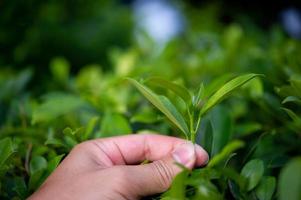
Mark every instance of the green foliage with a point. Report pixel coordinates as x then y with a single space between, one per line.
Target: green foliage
165 106
253 137
290 180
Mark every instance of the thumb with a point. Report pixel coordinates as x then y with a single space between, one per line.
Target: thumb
157 176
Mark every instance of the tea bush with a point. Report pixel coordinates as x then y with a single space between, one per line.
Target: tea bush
253 136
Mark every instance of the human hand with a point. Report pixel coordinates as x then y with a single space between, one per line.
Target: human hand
109 168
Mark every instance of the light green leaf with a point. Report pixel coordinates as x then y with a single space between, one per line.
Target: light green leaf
225 90
178 187
164 105
6 150
289 186
200 95
90 127
253 172
54 162
60 68
227 150
177 89
266 188
114 124
54 106
216 84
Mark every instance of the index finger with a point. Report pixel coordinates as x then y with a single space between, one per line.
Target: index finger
133 149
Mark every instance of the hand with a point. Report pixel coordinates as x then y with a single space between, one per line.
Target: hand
110 168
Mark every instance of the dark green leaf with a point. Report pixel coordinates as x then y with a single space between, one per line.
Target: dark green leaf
6 150
266 188
253 172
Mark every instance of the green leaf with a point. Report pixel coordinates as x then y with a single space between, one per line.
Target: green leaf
178 187
90 127
207 191
222 127
54 162
114 124
164 105
292 99
266 188
253 172
55 106
177 89
197 100
6 150
292 115
225 90
37 163
289 186
216 84
227 150
60 68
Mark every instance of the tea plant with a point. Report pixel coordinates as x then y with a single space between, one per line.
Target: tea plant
196 105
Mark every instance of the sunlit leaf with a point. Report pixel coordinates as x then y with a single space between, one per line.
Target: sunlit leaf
227 88
227 150
176 88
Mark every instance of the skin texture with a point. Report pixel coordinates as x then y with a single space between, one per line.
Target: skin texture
110 168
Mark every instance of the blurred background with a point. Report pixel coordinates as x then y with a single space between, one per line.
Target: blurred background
84 32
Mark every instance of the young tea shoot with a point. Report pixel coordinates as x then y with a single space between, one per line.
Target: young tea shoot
196 104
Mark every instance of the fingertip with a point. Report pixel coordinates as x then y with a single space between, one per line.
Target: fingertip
202 156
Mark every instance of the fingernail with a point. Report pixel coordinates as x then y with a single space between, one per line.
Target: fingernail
202 154
185 154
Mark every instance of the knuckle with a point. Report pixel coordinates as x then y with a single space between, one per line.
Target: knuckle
164 174
83 147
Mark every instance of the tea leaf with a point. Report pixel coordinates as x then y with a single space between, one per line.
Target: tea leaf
293 115
177 89
290 181
253 172
266 188
221 128
114 124
221 93
292 99
178 187
6 150
164 105
227 150
216 84
56 105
